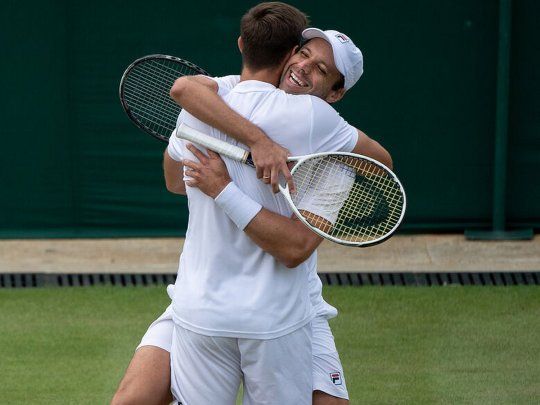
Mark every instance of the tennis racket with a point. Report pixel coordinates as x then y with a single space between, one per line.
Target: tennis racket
347 198
144 92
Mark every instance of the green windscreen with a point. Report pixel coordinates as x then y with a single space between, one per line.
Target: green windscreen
73 165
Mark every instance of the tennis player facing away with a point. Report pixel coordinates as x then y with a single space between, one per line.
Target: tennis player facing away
145 360
311 69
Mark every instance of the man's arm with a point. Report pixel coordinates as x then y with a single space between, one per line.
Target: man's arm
200 99
286 239
173 173
373 149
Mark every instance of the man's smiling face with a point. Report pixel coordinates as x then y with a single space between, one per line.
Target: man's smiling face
312 71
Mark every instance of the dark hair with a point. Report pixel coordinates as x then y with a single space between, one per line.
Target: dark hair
269 31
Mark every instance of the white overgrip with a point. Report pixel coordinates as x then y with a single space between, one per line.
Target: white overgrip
218 146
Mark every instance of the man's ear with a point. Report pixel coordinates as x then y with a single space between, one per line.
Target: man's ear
240 44
287 57
293 51
335 95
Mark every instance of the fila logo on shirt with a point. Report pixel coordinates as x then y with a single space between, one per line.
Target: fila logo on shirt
336 378
342 38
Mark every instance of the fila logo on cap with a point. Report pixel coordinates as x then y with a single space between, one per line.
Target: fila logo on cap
342 38
336 378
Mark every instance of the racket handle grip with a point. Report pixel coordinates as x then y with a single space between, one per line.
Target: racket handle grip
217 145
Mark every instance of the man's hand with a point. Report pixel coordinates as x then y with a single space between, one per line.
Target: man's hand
209 175
270 160
199 97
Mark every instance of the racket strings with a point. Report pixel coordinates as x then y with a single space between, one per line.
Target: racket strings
153 80
162 118
149 96
146 92
146 87
141 106
164 77
349 198
379 210
161 121
379 199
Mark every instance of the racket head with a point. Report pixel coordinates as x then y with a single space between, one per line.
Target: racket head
359 201
144 92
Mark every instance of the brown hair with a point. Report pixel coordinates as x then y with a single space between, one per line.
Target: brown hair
269 31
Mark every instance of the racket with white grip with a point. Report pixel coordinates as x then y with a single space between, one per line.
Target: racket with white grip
347 198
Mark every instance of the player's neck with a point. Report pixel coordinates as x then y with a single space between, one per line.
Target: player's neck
271 76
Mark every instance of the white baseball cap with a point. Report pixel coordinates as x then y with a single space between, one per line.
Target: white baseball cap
347 57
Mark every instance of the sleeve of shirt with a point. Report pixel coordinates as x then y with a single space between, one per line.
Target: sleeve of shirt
330 132
226 83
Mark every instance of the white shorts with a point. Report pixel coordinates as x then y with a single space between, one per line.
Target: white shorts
209 369
160 332
328 374
327 369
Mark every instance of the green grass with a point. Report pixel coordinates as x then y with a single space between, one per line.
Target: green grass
445 345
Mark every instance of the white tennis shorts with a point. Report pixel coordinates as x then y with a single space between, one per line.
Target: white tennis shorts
327 369
209 369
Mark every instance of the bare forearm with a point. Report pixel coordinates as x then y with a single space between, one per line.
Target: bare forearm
173 174
380 154
204 103
373 149
287 239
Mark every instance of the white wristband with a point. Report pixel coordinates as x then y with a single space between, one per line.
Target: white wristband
239 207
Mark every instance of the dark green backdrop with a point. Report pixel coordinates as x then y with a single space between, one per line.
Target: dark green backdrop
73 165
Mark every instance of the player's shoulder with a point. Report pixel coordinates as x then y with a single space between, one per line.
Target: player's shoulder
303 100
317 104
324 116
226 83
320 106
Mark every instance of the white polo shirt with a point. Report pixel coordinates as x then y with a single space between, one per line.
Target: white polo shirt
227 285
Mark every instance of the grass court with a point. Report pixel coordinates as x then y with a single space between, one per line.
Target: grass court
398 345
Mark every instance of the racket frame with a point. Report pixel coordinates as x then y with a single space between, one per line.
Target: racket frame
287 195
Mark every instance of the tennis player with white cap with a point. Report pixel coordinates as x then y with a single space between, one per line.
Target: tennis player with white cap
299 77
347 57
